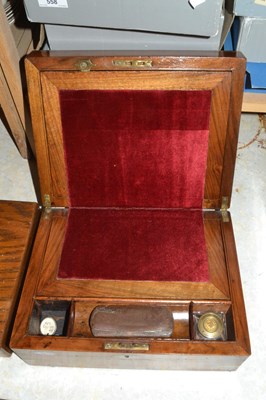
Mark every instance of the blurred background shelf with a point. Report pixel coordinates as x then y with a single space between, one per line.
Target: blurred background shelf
17 38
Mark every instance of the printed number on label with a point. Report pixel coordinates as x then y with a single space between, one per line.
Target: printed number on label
53 3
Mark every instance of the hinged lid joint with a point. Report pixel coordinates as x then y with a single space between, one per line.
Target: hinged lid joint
47 201
224 209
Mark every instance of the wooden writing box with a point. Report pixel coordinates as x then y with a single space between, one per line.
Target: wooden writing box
134 262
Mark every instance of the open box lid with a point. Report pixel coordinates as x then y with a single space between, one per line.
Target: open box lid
127 130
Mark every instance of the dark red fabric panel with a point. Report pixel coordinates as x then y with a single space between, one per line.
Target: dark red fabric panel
132 148
155 245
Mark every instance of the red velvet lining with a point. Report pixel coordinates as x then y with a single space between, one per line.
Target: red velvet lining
135 148
143 149
155 245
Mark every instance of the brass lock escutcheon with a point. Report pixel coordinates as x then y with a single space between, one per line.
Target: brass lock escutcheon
84 65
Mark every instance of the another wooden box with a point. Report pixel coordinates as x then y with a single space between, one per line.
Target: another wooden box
18 221
106 289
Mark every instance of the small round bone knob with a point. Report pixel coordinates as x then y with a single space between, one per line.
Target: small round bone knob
48 326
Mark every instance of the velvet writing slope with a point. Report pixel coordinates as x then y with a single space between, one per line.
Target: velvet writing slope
135 157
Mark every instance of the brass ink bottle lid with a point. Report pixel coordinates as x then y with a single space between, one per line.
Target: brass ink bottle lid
210 325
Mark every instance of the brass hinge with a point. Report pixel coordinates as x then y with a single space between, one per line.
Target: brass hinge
47 202
224 209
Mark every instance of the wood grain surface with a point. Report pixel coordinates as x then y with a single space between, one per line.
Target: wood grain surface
11 94
17 224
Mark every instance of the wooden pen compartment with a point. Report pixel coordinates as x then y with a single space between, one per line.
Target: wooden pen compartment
85 319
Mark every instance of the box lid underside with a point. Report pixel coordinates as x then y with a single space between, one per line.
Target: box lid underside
132 137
